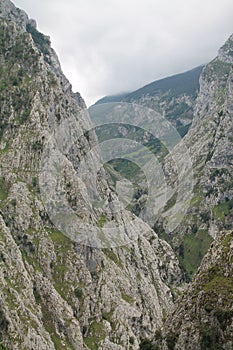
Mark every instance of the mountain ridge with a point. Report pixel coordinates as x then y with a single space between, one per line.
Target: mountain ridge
59 293
156 85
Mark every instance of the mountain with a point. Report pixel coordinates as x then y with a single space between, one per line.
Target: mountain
210 146
78 270
174 97
112 98
60 288
203 316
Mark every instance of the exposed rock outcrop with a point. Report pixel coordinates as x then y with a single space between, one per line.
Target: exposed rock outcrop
203 316
56 293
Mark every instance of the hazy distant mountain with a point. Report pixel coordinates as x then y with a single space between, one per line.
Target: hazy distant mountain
174 97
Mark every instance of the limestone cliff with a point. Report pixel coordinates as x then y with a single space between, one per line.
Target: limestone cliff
209 141
203 316
56 293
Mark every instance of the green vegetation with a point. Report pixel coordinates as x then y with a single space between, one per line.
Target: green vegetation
171 340
59 238
78 293
222 210
209 338
41 41
108 316
30 259
221 285
62 246
183 129
126 169
96 333
192 250
147 344
171 202
223 316
2 347
56 339
3 192
102 220
128 298
131 340
92 342
112 256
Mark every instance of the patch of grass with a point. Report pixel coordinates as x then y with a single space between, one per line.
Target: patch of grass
108 317
58 344
222 210
3 194
128 298
96 333
146 344
97 328
58 237
171 202
91 343
194 247
112 256
102 220
2 347
221 285
31 260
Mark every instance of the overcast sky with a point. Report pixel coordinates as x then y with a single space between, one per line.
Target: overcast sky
111 46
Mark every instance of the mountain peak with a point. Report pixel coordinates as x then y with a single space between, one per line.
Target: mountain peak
225 53
10 12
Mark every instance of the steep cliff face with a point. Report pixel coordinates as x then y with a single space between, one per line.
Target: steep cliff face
57 293
209 142
203 316
79 293
211 147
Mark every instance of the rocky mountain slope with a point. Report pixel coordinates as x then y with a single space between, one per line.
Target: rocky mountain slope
172 98
209 141
66 289
203 316
57 293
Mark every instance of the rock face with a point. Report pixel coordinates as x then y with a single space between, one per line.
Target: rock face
62 293
203 316
56 293
209 141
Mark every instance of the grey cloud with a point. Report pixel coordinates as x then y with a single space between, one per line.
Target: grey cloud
109 46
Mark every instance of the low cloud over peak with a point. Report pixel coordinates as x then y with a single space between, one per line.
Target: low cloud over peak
109 46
